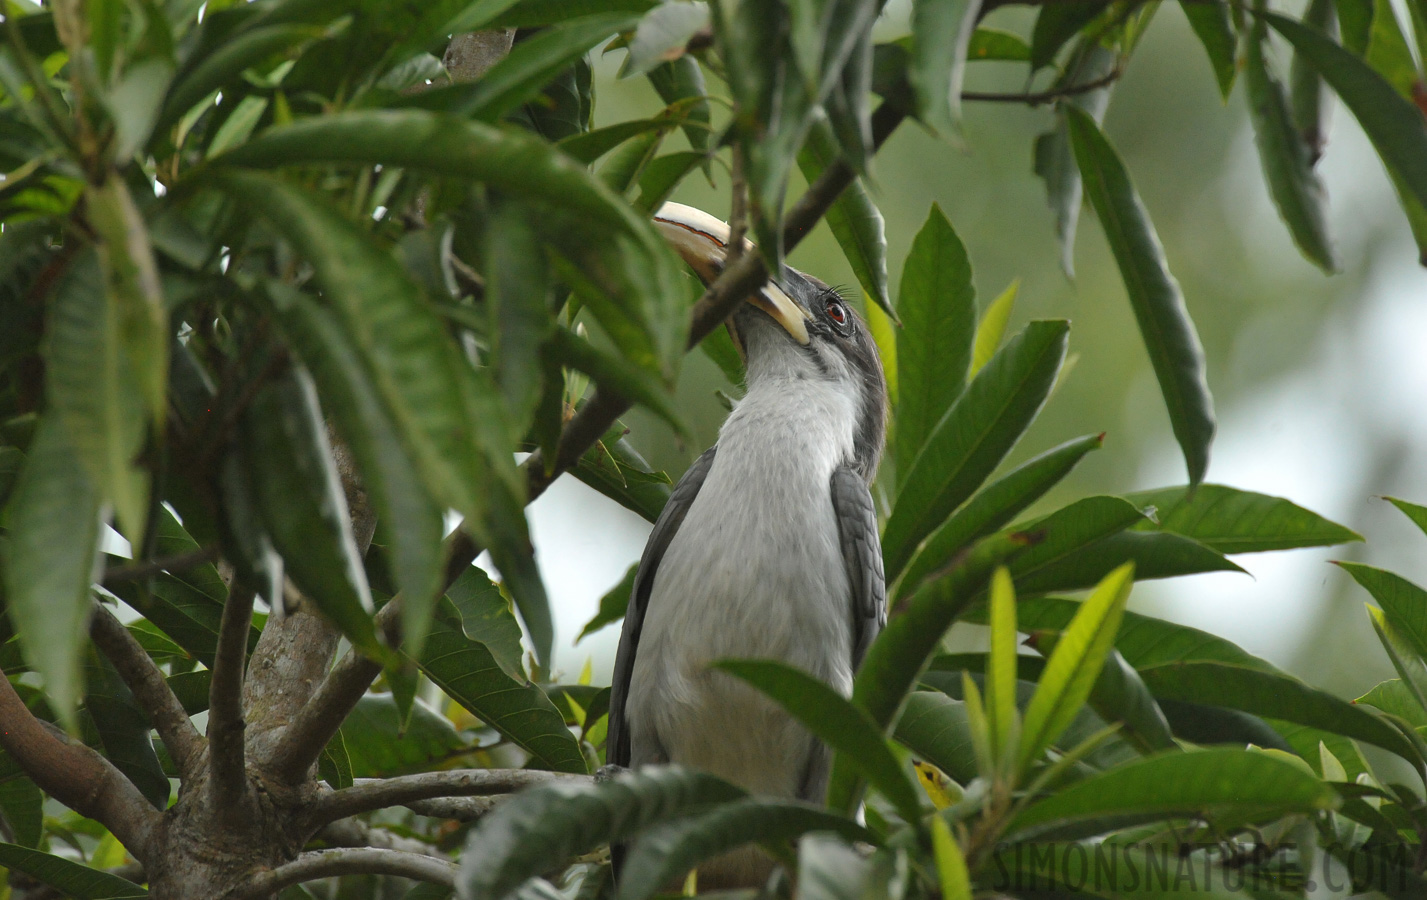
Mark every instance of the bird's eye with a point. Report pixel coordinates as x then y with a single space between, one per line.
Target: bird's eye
837 312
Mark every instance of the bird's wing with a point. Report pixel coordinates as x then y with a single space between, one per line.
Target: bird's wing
862 554
617 747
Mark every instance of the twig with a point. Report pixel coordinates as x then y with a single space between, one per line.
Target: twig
333 863
229 778
75 775
380 793
356 833
183 741
149 568
462 809
1036 98
302 742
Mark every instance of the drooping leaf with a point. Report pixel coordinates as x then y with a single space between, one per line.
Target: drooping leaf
680 84
853 218
50 556
1165 326
378 743
941 33
304 510
1287 159
1211 25
1308 98
94 389
937 304
1075 664
1404 602
973 437
1397 129
23 804
547 825
663 33
836 721
517 294
486 617
124 730
210 72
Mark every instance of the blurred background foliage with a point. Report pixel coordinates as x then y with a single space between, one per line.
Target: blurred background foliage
1318 381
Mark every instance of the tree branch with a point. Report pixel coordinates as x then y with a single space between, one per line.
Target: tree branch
333 863
356 833
175 729
228 770
1036 98
303 741
380 793
75 775
142 570
462 809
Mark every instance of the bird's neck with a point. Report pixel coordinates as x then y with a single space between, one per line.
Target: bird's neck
795 419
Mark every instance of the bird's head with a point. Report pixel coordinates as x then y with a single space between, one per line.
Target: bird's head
797 328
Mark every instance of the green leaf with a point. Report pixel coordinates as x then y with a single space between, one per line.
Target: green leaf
517 297
1230 787
1168 332
994 506
124 730
304 510
53 522
662 35
23 804
74 879
1404 602
1075 665
1287 159
836 721
229 58
854 218
1056 24
486 617
1398 129
1120 695
1002 718
955 881
1230 520
1307 98
612 605
994 44
1154 556
661 855
614 468
973 437
471 675
830 869
1396 698
378 744
941 32
1355 18
612 372
680 84
1418 514
935 728
937 304
646 317
542 827
1404 657
94 391
409 519
993 327
335 765
1211 25
532 13
524 72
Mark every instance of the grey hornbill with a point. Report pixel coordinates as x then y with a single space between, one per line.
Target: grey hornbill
767 547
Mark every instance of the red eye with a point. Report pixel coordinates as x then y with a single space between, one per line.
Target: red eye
836 312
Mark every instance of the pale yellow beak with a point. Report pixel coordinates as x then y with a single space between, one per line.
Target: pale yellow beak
702 241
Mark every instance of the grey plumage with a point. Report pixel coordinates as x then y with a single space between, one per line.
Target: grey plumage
768 547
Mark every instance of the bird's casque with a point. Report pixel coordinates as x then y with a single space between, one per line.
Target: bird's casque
767 548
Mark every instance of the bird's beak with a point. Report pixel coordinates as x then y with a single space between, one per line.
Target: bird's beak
702 241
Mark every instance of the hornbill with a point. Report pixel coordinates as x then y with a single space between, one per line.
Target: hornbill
767 547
